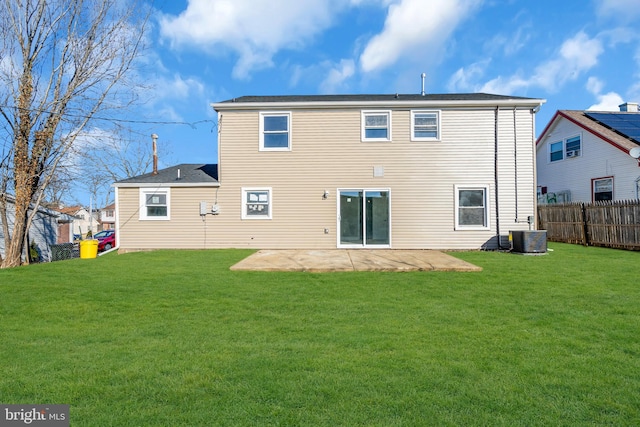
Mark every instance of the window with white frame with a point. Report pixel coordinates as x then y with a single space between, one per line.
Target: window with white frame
472 210
154 204
425 125
275 131
555 151
376 126
566 149
602 189
256 203
572 147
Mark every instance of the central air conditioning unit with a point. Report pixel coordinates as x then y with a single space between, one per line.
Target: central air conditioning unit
529 242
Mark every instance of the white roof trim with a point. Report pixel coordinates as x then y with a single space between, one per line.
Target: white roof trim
525 103
165 184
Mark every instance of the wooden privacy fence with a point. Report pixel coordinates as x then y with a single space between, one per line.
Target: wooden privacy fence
610 224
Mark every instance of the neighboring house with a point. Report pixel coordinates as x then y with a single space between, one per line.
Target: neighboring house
451 171
65 228
108 217
584 156
83 220
43 230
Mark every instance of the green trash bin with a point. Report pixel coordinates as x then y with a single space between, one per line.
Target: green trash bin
88 248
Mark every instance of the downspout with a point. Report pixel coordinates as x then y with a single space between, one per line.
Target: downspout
534 223
515 161
495 176
117 246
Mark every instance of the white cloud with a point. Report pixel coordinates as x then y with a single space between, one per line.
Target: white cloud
463 79
254 29
606 102
410 29
337 76
576 56
621 10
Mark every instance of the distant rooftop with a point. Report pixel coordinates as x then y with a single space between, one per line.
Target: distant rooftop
182 174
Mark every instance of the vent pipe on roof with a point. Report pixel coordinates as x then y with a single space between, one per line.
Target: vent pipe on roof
154 138
629 107
424 75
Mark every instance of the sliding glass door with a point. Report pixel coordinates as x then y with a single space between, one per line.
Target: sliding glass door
364 218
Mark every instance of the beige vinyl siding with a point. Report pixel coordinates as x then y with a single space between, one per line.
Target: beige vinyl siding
515 169
327 154
185 230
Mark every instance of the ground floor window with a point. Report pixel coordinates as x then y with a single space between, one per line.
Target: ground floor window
256 203
155 204
472 212
602 189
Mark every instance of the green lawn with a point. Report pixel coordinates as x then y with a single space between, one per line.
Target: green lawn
173 338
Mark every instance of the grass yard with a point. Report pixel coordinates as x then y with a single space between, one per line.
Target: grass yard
173 338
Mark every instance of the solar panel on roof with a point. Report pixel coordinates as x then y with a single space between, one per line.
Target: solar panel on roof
627 124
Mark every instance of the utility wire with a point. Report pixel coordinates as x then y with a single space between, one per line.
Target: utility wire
193 125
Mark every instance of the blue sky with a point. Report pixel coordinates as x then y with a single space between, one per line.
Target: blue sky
575 54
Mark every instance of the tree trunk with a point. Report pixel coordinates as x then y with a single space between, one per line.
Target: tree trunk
15 245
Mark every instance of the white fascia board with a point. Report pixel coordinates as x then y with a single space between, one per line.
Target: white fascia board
528 103
165 185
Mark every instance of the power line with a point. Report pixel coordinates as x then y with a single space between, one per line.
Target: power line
193 125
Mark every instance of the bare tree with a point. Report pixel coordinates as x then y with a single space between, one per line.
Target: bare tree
110 157
62 63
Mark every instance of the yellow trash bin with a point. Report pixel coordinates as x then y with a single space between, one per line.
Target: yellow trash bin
88 248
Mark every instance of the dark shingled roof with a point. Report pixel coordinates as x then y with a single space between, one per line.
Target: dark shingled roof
376 98
189 174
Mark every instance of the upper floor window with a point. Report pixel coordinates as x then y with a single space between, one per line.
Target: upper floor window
155 204
555 151
602 189
565 149
425 125
275 131
572 146
376 126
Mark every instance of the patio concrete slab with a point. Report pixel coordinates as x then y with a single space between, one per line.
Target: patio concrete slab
353 260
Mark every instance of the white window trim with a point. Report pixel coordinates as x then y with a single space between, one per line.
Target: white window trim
564 147
143 203
365 113
549 151
243 201
487 207
413 122
276 114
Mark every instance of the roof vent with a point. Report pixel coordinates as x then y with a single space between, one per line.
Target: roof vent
629 107
424 76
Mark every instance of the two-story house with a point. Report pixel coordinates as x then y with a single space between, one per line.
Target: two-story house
108 217
590 156
84 220
453 171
